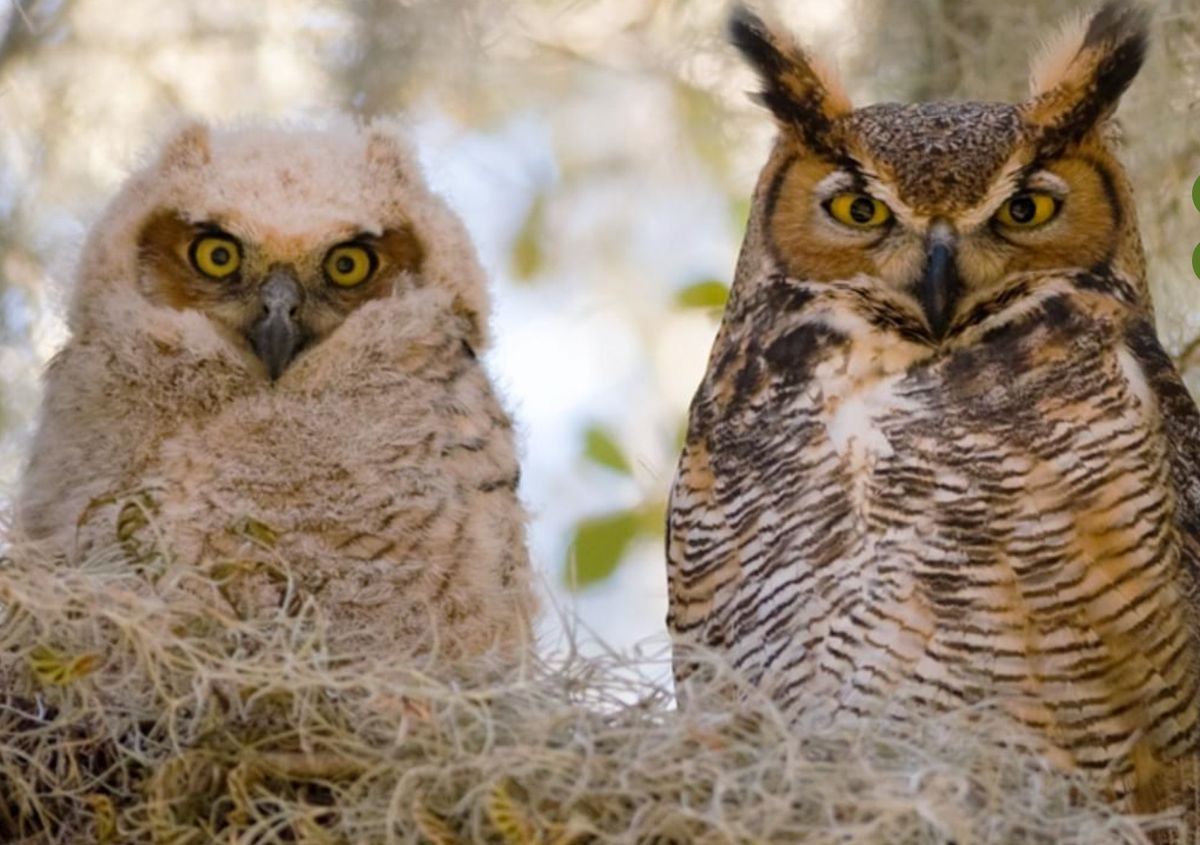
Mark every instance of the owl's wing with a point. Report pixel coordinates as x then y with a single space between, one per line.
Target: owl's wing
1181 423
753 427
700 557
695 530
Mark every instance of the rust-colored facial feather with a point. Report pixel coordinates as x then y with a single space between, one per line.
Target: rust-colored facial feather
803 239
1084 231
168 276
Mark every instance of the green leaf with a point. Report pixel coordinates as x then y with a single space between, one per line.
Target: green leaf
527 257
600 448
598 547
708 293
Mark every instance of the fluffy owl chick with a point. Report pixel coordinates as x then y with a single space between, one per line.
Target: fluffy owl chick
939 456
273 377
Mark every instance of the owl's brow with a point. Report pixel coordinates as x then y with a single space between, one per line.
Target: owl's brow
1043 180
211 227
1022 175
848 175
838 181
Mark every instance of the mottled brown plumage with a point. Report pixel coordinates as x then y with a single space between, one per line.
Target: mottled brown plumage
939 456
938 155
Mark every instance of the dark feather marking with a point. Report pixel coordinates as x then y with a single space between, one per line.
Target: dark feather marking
507 482
990 307
785 298
722 363
748 378
794 353
1101 279
1004 337
1059 312
771 200
1109 184
1181 421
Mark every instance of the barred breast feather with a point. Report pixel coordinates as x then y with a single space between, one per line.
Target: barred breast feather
865 519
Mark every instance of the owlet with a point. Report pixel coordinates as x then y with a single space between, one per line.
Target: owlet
273 377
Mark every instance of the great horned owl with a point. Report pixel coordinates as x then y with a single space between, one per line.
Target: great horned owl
272 375
939 454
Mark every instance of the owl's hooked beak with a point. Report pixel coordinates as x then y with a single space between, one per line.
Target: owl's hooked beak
939 286
277 336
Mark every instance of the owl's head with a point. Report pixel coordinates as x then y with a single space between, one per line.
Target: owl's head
945 200
277 235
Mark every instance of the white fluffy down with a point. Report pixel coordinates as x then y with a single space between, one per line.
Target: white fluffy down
377 477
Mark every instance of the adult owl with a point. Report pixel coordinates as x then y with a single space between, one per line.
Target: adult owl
272 379
939 455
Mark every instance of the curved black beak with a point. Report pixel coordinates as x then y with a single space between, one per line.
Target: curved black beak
276 336
939 285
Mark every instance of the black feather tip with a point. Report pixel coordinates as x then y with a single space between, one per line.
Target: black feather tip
752 38
1120 30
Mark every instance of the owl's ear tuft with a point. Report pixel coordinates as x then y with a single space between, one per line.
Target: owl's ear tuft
1081 75
389 154
190 147
803 95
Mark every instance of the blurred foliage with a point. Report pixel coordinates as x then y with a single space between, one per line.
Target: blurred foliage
708 294
528 257
630 153
601 542
600 447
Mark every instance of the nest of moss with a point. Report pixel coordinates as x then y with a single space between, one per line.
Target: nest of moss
134 712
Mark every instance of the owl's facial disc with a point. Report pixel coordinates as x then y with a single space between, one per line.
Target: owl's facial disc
277 335
273 294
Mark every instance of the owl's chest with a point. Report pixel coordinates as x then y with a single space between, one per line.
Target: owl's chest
993 520
886 412
905 437
992 476
964 454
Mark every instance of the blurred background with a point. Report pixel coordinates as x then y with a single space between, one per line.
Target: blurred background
602 153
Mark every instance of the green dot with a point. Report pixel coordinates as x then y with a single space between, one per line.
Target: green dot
1196 261
1196 193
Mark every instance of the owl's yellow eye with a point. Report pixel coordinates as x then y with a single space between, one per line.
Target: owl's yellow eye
859 210
216 256
1027 209
349 265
